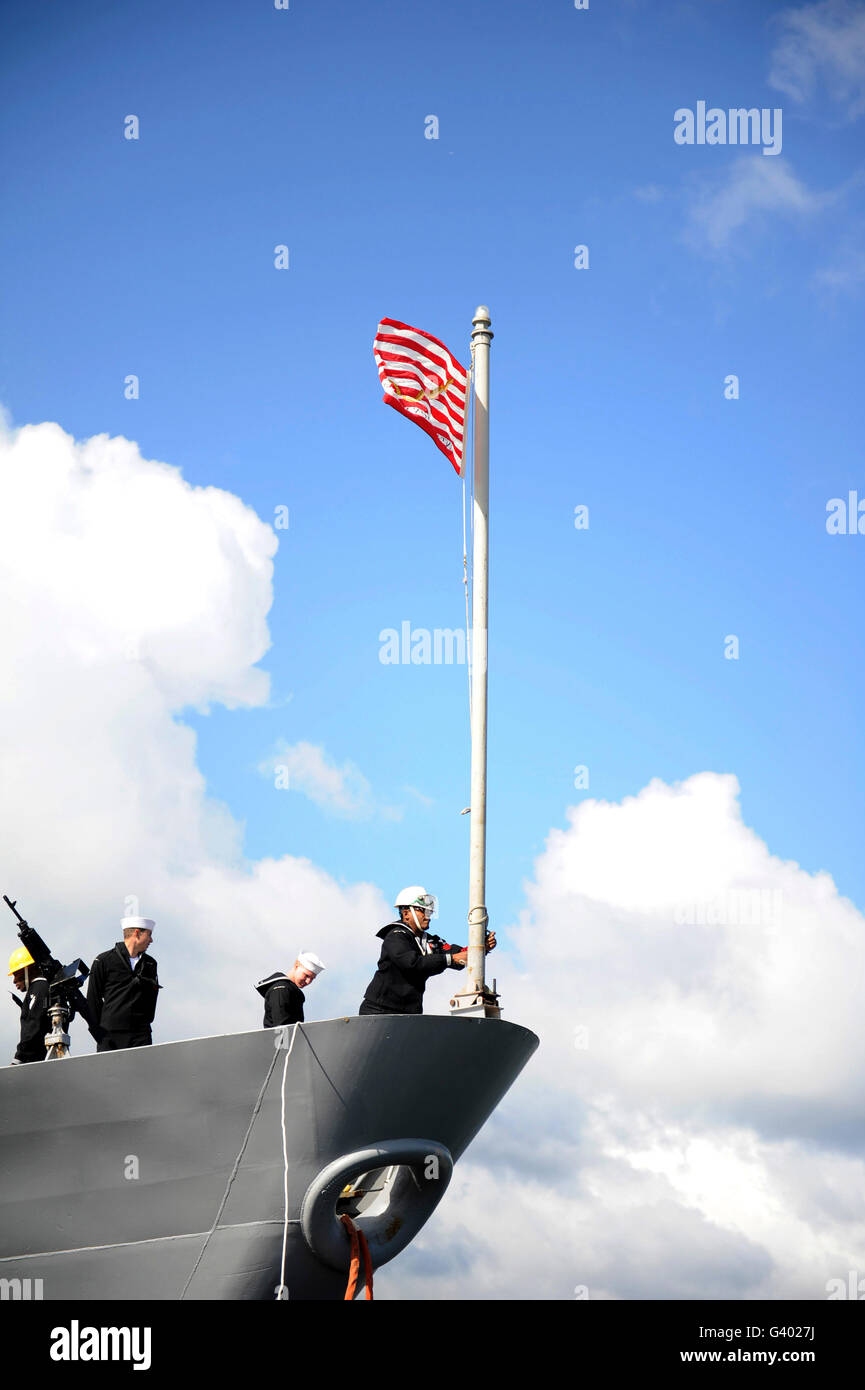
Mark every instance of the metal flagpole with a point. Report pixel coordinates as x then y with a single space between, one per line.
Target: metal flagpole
474 998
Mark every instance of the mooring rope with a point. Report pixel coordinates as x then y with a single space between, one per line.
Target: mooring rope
281 1289
234 1169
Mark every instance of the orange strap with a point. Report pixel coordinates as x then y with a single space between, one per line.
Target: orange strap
358 1247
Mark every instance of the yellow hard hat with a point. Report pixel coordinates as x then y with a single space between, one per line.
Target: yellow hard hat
20 959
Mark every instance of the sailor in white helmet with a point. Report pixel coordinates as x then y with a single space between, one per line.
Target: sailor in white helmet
409 956
123 988
283 993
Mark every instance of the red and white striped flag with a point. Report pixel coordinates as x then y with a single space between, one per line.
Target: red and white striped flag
422 380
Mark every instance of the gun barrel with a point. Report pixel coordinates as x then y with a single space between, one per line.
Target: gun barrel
12 907
34 943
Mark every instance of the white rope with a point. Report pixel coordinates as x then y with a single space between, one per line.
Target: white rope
232 1175
281 1289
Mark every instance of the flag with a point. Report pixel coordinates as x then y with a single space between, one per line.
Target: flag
423 381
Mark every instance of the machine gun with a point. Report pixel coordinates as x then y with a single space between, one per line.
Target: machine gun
65 999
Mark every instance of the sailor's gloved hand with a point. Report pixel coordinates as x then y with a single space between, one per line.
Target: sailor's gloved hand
459 954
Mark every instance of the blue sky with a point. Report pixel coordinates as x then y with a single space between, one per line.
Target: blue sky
707 516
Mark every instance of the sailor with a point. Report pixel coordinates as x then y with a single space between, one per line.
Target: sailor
30 979
123 988
283 993
409 957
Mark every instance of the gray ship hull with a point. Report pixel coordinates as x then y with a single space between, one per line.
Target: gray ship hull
203 1169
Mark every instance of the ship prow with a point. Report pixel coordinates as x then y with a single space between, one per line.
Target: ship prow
218 1168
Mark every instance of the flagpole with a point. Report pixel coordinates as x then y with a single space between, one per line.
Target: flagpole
474 998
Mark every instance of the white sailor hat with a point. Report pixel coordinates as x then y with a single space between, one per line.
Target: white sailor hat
137 923
310 961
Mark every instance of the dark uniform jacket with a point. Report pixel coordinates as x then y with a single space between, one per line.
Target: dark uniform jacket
405 964
283 1001
123 1000
34 1021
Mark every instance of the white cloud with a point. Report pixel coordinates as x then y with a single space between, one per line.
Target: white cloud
705 1140
823 42
113 563
649 193
305 768
420 796
753 190
845 274
126 594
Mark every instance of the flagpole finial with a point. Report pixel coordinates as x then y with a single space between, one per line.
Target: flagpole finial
481 331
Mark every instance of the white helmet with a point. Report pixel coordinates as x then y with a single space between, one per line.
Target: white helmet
416 896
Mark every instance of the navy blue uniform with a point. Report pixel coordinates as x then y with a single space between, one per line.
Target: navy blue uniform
123 1000
406 963
283 1000
34 1022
